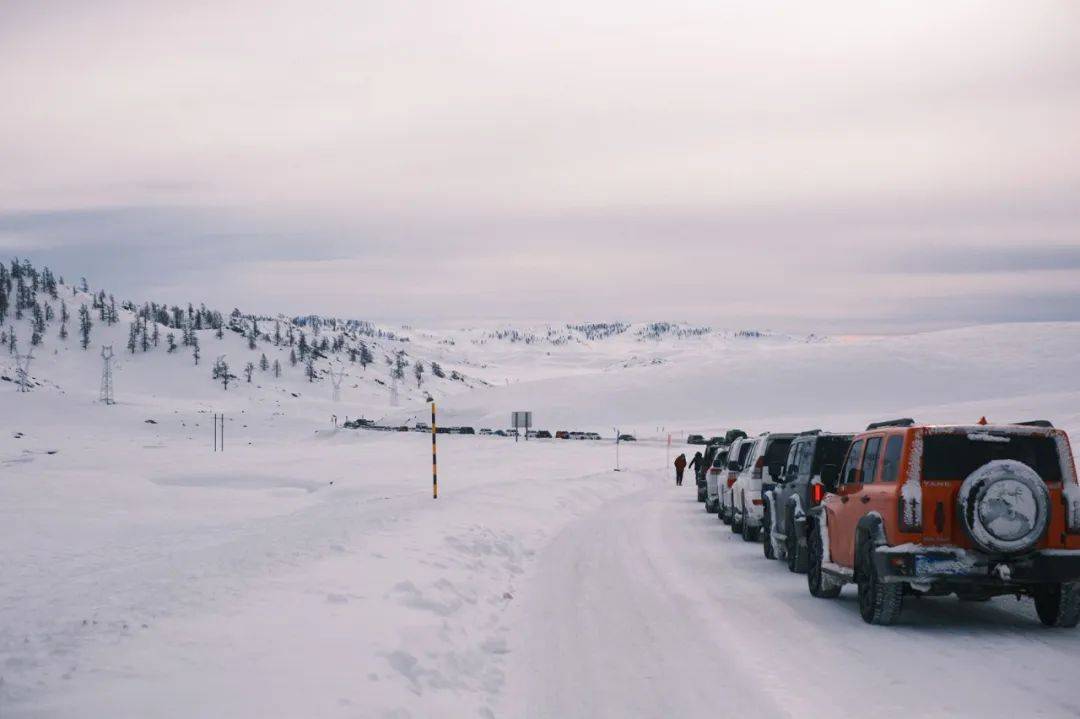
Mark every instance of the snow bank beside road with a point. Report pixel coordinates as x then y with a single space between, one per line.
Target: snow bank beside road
203 585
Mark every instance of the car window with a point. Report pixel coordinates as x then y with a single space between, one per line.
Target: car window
747 455
870 458
891 467
793 459
851 466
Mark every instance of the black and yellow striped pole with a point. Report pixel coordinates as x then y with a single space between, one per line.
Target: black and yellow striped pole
434 458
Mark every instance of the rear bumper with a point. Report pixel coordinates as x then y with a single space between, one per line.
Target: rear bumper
961 567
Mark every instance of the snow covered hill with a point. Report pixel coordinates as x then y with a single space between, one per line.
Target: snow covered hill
306 571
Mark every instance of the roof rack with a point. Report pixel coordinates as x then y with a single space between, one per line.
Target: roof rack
810 431
906 422
1036 423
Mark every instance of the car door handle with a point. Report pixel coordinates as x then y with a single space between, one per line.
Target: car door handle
844 498
864 499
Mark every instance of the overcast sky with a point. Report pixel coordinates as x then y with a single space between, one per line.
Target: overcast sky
818 166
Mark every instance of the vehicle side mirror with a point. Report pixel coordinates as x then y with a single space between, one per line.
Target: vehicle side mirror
830 475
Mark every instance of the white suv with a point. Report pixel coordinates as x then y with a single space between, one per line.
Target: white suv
714 477
737 455
760 469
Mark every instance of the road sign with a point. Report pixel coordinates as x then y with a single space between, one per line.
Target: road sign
521 420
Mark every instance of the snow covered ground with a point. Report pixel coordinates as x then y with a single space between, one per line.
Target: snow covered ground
306 571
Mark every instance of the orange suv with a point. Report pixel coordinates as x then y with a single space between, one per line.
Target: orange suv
978 511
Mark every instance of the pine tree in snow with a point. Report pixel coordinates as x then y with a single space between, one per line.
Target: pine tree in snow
251 338
309 370
277 368
277 334
170 342
264 364
366 357
219 331
437 370
13 343
144 339
249 369
418 372
133 337
157 335
195 349
84 325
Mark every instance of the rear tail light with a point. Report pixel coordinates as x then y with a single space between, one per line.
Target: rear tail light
759 465
756 501
817 493
730 482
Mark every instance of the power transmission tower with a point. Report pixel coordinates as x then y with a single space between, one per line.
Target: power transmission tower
106 394
336 378
22 370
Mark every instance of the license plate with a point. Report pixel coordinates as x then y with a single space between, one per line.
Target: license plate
939 566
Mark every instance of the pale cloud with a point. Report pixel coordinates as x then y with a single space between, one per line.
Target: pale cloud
552 159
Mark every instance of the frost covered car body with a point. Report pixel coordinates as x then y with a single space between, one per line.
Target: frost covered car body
978 511
784 526
701 473
760 470
715 470
737 456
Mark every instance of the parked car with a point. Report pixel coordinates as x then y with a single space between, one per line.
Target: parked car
737 457
978 511
485 431
715 473
592 435
701 473
756 477
784 526
627 438
695 439
577 435
543 434
562 434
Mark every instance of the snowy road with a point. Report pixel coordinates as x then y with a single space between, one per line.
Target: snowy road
651 608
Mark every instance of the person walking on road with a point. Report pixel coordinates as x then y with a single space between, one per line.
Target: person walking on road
680 467
697 464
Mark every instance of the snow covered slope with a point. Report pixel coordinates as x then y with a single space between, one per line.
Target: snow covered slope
306 571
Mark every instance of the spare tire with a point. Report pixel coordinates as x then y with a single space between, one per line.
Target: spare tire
1004 507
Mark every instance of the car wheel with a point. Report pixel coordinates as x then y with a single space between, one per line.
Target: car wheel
819 585
736 523
701 494
749 534
711 507
1058 605
879 602
725 515
766 535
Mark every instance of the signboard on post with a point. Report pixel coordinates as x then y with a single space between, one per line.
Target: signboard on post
519 421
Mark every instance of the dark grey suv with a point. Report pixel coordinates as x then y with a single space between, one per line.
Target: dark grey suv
793 494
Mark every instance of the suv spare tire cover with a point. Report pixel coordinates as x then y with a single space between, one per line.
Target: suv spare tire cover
1004 506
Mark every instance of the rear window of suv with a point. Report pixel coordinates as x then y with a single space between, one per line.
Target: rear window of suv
955 456
830 450
777 451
